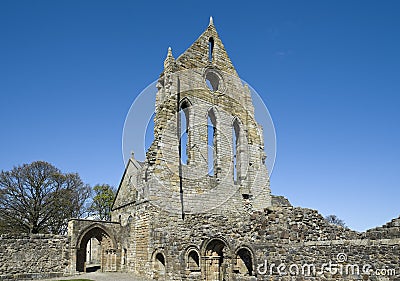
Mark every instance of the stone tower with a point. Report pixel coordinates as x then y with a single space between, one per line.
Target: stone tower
206 160
208 149
205 165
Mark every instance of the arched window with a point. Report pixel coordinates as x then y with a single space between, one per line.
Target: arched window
236 148
184 132
244 262
159 266
160 259
213 81
193 260
130 219
210 49
125 254
211 142
215 257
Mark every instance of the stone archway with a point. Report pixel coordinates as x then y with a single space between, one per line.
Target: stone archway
109 254
244 265
216 261
159 265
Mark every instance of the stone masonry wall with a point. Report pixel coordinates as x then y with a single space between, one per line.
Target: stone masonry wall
300 238
36 256
297 240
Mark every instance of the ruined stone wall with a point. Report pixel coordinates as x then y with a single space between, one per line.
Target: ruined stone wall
36 256
203 84
167 176
298 240
300 237
388 231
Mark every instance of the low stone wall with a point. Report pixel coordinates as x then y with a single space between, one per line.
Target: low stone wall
33 257
282 242
289 243
299 243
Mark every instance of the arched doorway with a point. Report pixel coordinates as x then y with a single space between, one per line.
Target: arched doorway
105 252
216 261
158 266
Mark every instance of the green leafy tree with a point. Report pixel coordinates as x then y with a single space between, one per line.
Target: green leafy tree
103 200
39 198
335 220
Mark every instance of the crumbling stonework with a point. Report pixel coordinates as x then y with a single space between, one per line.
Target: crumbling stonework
36 256
254 245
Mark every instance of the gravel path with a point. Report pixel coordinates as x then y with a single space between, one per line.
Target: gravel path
102 276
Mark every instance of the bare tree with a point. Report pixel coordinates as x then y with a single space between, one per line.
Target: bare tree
39 198
335 220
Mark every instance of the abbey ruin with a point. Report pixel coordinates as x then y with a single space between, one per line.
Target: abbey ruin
200 206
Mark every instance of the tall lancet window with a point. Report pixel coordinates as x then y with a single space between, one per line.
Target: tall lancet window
236 142
211 142
184 132
210 49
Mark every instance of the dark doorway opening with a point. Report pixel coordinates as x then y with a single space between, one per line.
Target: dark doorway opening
96 251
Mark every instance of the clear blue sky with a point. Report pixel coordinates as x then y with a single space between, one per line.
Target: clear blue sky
329 72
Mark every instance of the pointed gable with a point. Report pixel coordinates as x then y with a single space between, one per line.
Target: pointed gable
198 54
127 190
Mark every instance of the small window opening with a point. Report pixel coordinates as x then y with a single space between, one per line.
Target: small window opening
146 174
235 148
160 258
159 267
184 129
193 262
130 219
211 142
125 256
212 81
244 262
210 49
